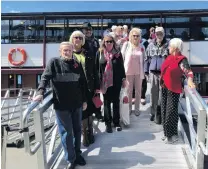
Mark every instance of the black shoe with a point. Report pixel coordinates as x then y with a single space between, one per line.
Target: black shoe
80 161
70 166
158 119
118 127
92 139
91 136
109 128
152 117
85 140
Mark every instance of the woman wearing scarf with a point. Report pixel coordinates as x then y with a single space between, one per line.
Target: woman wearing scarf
112 77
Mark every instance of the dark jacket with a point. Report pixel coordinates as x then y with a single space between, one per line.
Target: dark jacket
90 49
155 55
118 69
68 83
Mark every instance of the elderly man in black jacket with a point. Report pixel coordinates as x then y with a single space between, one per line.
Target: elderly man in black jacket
67 79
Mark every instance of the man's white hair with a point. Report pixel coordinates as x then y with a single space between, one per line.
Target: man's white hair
66 44
176 43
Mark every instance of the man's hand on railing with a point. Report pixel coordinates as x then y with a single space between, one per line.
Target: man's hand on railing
38 98
190 83
84 106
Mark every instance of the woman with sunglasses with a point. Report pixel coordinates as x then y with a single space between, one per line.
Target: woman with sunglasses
133 53
112 77
82 55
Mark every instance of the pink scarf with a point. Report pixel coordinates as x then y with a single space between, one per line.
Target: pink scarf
107 80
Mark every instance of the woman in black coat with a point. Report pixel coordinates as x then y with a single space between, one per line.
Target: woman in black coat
112 77
83 55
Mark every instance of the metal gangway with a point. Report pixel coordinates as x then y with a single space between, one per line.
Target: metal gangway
13 104
138 146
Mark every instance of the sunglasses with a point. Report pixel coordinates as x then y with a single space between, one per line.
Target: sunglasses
80 38
136 36
110 41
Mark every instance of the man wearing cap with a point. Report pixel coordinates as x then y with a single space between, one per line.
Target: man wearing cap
91 46
156 53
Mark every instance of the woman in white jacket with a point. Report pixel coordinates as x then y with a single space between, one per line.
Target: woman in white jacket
133 53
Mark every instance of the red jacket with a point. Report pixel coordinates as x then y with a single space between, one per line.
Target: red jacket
171 73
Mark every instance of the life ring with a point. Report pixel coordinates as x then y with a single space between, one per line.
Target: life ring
18 63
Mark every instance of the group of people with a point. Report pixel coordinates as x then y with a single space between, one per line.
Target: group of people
86 69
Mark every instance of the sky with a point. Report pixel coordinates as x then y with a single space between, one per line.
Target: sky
81 6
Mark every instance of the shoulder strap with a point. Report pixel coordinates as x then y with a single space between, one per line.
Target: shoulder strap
127 45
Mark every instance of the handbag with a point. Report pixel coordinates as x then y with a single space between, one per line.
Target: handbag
124 107
97 101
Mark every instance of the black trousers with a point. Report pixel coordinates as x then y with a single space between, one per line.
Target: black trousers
144 89
169 110
90 106
112 96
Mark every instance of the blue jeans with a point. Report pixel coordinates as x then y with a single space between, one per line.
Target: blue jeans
69 126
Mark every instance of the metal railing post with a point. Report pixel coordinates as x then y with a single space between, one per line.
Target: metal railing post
8 104
21 108
52 142
40 137
5 96
201 127
3 146
190 125
16 103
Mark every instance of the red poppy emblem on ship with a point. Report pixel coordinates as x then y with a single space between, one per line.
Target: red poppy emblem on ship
142 49
75 65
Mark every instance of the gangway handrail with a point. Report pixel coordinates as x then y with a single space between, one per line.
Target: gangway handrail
5 96
201 145
195 96
46 103
11 89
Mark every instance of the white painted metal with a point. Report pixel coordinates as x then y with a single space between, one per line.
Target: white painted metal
198 147
196 52
3 146
34 54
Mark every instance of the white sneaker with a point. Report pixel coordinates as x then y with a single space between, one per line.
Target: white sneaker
137 112
163 138
174 138
171 140
168 140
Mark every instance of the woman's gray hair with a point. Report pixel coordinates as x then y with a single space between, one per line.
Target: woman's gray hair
177 44
77 33
113 28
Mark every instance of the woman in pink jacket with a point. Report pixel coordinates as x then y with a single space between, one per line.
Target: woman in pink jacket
133 54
